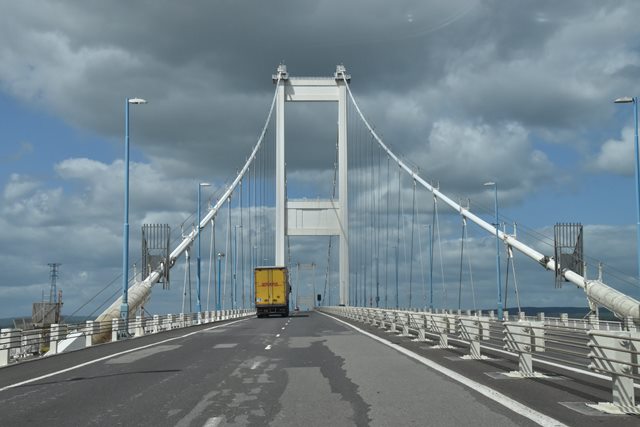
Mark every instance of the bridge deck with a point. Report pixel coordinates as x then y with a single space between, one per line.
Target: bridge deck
305 370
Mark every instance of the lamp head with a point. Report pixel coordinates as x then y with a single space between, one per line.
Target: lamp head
137 101
624 100
489 184
205 184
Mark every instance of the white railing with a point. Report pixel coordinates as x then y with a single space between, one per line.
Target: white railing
17 344
610 348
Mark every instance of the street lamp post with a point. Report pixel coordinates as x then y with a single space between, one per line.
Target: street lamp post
124 306
634 100
198 304
219 296
495 187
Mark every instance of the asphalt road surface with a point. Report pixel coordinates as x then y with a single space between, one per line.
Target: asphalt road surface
306 370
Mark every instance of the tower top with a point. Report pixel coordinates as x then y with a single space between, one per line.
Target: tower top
281 73
340 74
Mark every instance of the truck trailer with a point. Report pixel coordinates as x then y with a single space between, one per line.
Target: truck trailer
272 291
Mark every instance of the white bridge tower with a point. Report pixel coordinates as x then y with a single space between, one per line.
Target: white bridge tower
313 217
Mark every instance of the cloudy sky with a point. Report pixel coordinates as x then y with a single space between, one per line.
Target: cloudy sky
516 92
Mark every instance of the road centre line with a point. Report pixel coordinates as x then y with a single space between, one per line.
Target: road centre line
101 359
486 391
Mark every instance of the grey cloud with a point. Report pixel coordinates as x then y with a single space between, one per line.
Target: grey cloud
432 76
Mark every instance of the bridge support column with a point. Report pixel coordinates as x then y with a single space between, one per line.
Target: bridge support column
520 338
485 329
343 189
406 322
422 328
405 330
156 324
140 323
91 328
170 322
615 353
9 338
383 321
310 89
629 325
440 326
281 226
470 330
57 333
116 325
394 322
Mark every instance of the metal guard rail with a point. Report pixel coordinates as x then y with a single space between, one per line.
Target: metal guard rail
610 348
17 344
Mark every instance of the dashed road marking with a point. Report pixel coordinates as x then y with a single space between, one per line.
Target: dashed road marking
137 355
111 356
277 335
268 347
213 422
225 345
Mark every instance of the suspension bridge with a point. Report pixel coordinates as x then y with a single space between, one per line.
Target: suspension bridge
400 335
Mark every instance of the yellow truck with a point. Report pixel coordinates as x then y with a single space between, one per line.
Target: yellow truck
272 291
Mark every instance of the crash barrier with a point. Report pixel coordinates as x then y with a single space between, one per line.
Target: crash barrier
607 347
18 344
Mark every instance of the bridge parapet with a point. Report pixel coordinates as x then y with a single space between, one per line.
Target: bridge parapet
590 344
524 337
9 339
616 354
17 344
471 331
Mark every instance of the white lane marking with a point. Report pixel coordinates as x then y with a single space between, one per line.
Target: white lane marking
283 327
496 396
277 335
268 347
225 345
255 365
100 359
135 356
213 422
